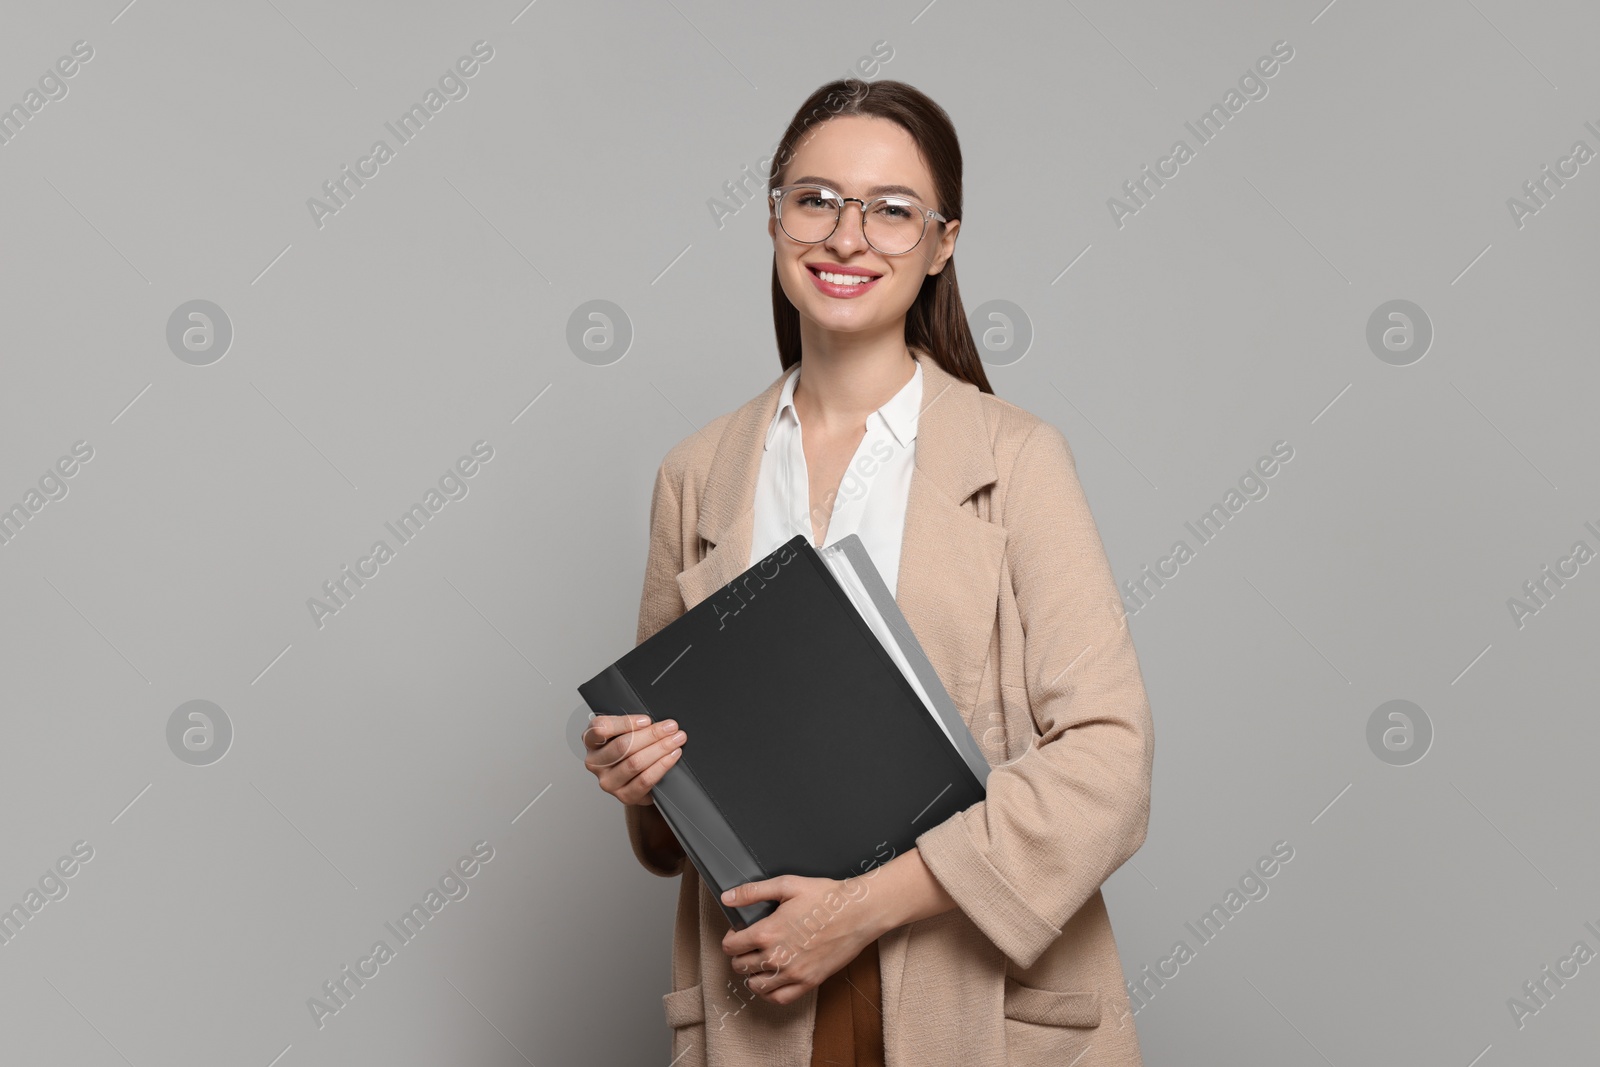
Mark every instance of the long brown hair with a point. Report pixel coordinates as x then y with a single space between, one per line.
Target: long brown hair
936 321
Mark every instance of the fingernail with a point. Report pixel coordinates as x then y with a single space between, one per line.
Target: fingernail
668 726
727 898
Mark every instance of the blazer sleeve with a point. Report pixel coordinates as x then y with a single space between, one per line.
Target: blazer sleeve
1057 821
659 604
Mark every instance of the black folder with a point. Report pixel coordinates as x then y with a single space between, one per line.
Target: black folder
810 750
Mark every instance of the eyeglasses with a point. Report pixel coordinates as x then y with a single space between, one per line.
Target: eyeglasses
893 225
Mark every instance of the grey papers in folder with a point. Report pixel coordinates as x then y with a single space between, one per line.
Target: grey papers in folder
853 569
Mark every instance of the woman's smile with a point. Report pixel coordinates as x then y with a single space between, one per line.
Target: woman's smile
841 282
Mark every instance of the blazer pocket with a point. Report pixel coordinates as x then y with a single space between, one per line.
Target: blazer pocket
1049 1007
685 1007
686 1014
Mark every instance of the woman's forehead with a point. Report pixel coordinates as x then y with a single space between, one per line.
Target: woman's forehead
876 158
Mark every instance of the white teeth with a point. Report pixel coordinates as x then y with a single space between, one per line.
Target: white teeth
844 279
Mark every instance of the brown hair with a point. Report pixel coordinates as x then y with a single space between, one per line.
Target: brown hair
936 321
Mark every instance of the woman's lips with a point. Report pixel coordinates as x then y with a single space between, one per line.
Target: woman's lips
843 292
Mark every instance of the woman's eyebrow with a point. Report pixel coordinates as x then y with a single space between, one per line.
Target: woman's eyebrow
876 190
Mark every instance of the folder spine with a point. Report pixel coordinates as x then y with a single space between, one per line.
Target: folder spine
723 858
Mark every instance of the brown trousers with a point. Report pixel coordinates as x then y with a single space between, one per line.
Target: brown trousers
849 1028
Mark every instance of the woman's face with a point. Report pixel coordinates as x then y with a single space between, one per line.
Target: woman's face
854 155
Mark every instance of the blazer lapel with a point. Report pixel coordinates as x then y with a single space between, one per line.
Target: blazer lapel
726 519
950 557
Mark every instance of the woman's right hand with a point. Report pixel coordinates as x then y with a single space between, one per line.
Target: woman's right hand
629 758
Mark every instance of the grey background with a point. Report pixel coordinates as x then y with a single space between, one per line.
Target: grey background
432 312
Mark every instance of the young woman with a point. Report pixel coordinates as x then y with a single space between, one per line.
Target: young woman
988 943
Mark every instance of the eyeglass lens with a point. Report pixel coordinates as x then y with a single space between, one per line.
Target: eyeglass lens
893 224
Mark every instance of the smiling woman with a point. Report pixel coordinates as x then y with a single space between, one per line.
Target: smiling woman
988 943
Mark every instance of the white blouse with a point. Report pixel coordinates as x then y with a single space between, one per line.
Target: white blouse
871 498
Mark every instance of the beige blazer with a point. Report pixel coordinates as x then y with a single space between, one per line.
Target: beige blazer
1005 582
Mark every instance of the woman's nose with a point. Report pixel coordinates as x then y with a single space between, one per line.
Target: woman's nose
850 233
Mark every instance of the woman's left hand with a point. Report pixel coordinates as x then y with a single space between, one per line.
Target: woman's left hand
820 926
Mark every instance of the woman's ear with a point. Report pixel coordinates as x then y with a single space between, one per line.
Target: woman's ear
945 247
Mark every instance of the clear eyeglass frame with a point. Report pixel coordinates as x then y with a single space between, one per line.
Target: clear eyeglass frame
775 199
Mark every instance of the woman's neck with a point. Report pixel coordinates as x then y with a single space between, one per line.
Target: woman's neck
838 389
